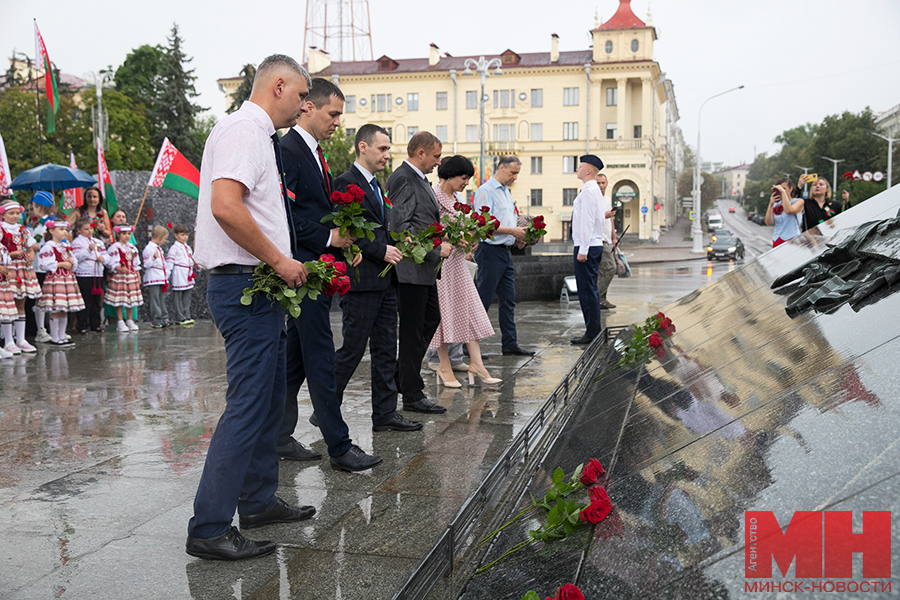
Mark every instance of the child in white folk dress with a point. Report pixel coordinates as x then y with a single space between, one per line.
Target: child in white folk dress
60 295
8 312
21 278
180 260
156 277
90 252
124 288
42 209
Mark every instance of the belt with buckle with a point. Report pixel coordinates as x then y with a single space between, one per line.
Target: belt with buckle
232 270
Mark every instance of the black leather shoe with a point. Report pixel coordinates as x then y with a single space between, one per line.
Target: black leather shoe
231 545
607 305
397 423
516 351
424 406
294 450
282 512
313 420
583 340
354 459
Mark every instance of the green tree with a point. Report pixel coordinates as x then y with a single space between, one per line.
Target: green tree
202 128
338 152
709 189
129 147
243 92
140 76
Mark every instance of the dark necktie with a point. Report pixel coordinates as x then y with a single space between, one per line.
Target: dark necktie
284 194
325 169
374 184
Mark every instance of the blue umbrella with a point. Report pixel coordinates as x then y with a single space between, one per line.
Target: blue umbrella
51 178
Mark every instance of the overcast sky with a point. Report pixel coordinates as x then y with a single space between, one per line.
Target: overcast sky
800 60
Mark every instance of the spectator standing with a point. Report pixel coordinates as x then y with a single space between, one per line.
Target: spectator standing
588 223
784 211
156 277
607 269
819 207
180 262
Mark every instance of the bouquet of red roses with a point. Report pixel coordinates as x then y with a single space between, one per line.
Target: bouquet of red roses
416 246
349 218
535 230
465 227
324 276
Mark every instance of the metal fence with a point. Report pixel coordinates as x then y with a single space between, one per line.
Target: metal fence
439 562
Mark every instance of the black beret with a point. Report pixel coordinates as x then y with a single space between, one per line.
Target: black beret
592 160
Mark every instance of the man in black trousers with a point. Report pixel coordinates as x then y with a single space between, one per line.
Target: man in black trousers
416 208
310 345
370 307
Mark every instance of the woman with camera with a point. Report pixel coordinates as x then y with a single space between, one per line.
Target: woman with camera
819 207
784 208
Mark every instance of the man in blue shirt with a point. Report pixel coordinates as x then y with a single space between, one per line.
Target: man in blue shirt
496 274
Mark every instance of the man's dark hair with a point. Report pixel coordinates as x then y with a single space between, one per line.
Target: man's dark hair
280 60
455 166
509 159
321 90
366 134
422 140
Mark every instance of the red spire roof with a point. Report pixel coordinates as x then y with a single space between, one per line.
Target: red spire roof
623 19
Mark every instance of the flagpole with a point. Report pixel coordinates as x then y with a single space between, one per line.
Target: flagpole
141 207
32 73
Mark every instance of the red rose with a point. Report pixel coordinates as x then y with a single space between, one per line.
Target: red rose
568 592
654 340
597 510
848 176
340 268
327 258
436 243
356 192
94 225
670 330
438 228
495 222
485 209
480 219
660 316
665 323
591 472
343 285
660 352
169 225
777 209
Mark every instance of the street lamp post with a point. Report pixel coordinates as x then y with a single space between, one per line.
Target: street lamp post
696 232
834 179
890 142
482 66
104 78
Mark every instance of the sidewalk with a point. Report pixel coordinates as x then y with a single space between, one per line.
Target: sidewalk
672 246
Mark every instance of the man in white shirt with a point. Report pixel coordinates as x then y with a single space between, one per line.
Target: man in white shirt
242 218
607 262
587 234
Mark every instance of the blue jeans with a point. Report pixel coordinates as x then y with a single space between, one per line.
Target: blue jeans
588 296
496 275
241 469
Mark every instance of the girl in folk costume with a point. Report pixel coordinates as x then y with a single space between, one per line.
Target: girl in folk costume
21 278
60 292
124 288
41 209
90 252
156 276
119 217
8 312
180 261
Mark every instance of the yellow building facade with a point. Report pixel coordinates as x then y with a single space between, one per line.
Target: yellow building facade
546 108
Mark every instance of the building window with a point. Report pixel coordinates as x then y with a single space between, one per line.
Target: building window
570 131
412 102
634 45
610 131
570 96
471 133
471 99
537 165
441 132
608 47
349 104
537 98
569 196
381 102
504 98
351 134
612 96
411 131
441 101
637 132
504 133
537 197
537 132
390 131
570 163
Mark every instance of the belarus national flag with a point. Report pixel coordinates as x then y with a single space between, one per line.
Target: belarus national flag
5 175
172 170
41 58
72 198
106 188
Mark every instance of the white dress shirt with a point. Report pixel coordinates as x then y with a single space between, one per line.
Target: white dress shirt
587 217
240 148
607 223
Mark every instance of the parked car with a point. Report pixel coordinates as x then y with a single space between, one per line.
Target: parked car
751 216
729 247
759 219
716 234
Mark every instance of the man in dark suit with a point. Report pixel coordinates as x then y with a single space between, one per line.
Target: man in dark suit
416 208
370 307
310 345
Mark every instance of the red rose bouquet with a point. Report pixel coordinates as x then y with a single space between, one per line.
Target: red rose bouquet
465 228
535 230
349 218
565 592
415 247
646 340
324 276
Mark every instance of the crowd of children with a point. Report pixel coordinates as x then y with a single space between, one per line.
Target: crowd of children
65 275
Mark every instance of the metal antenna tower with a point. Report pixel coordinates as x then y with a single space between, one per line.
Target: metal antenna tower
340 28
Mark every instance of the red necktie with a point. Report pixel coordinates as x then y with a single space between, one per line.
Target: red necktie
325 169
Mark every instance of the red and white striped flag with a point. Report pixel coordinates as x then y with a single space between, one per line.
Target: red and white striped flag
5 175
72 198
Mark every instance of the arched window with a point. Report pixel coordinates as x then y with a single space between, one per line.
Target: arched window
634 45
608 47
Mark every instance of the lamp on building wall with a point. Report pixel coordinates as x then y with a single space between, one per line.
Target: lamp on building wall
696 232
482 66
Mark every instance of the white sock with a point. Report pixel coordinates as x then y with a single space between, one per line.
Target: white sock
6 329
61 323
54 330
20 330
39 314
